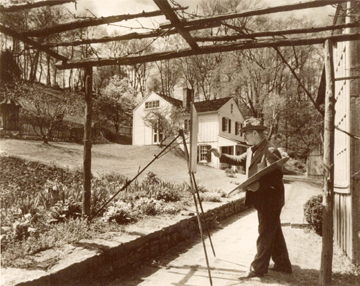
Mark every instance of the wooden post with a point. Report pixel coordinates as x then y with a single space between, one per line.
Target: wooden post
328 194
87 142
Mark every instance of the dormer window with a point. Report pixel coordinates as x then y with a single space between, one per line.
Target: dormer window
152 104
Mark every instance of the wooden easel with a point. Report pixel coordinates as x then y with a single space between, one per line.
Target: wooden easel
191 160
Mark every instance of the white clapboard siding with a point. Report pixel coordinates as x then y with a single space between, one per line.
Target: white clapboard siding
342 107
343 223
234 115
208 128
342 197
142 133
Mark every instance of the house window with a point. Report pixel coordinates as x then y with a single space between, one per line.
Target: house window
227 150
152 104
226 125
232 108
203 155
238 126
158 136
187 124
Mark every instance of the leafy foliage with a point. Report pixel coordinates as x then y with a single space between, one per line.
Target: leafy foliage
161 190
230 173
113 106
42 108
9 69
313 211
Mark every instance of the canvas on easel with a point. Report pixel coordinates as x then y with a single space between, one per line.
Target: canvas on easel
193 137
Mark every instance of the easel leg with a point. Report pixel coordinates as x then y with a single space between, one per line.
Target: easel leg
201 231
202 211
181 133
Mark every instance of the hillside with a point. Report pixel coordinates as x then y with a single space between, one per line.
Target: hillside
123 159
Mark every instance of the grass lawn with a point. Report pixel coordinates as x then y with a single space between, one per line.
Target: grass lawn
124 159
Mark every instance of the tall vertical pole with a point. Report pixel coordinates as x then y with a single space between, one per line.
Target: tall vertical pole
87 142
194 190
328 194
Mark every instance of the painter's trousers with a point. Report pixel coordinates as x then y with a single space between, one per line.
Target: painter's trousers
270 243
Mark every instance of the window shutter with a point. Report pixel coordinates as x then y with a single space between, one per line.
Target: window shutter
236 128
198 154
208 157
229 126
223 124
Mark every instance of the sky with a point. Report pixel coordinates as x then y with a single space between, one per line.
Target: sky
117 7
109 7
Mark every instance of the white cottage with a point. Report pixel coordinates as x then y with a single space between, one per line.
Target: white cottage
219 120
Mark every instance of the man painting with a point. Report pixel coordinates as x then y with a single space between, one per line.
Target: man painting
267 196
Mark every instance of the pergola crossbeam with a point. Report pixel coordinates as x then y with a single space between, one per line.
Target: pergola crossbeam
131 60
263 11
175 21
91 22
276 33
36 45
129 36
20 7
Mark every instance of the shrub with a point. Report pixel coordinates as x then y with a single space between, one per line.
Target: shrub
166 194
65 210
210 197
230 173
313 210
147 206
169 209
120 212
161 190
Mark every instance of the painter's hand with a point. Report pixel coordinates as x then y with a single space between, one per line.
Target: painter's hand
253 187
215 152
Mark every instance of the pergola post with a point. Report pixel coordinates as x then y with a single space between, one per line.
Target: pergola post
86 199
328 193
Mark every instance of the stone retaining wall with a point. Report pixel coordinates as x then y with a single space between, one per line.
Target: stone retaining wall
96 262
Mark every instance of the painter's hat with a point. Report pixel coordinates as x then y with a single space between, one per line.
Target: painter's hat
253 124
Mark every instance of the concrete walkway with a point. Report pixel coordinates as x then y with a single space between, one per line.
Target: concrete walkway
235 247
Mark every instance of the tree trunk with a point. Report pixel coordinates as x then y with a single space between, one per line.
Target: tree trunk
328 195
48 78
34 66
87 142
70 79
41 68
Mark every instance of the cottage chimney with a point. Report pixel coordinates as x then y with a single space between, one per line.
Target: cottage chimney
187 97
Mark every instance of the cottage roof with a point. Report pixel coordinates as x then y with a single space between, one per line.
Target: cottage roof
201 106
211 105
173 101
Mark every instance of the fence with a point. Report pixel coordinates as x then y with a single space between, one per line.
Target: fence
74 134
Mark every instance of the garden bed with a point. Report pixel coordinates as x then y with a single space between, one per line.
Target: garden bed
99 260
42 224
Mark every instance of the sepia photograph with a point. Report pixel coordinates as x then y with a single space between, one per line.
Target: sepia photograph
180 142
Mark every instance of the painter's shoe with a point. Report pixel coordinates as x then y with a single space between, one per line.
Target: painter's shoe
284 269
250 274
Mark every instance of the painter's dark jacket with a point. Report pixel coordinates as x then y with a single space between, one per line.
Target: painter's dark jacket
270 194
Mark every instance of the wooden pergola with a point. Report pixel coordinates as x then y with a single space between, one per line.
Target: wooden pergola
196 46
